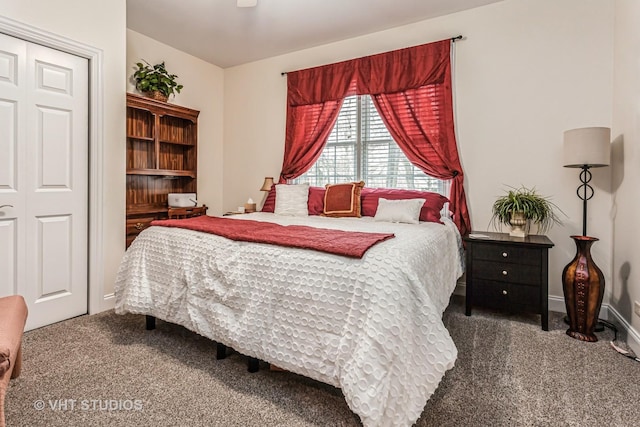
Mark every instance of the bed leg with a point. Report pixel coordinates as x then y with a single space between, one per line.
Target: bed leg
253 365
151 323
221 351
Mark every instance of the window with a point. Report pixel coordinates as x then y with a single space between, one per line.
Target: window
361 148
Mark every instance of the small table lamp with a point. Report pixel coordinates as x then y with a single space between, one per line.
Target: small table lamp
268 183
582 280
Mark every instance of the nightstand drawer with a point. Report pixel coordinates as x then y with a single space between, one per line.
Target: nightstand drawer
524 298
506 296
505 272
490 294
506 253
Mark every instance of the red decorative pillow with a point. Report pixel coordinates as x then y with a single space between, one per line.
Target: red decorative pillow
316 200
343 200
315 203
430 210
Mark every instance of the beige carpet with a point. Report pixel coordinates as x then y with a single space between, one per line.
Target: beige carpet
106 370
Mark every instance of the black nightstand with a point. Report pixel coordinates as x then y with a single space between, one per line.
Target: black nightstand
508 273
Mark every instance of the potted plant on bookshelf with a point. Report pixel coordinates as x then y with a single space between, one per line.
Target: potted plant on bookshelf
154 81
520 207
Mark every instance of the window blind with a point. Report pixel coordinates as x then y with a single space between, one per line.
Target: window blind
361 148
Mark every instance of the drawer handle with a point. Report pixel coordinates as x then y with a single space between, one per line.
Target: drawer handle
139 226
504 272
504 254
504 292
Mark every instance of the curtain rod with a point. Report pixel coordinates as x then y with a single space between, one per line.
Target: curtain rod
453 40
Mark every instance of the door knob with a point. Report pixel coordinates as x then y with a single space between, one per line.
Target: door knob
6 206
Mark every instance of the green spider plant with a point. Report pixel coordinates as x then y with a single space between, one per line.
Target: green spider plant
536 209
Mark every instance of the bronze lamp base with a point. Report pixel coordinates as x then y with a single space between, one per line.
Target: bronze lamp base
583 285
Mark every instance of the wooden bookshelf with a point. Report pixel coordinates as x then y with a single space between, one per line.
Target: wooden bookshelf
162 158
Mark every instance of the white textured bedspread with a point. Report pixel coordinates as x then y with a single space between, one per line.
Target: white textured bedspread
369 326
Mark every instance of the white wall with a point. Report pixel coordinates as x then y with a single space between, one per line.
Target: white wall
102 25
527 71
203 91
626 163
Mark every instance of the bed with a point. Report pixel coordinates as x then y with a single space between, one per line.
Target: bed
371 326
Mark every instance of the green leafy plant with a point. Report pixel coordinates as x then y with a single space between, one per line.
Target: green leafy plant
150 78
536 209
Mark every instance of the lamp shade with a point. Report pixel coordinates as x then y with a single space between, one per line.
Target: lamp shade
587 147
268 183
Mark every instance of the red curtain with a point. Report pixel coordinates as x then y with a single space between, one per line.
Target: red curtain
314 99
420 116
308 127
411 89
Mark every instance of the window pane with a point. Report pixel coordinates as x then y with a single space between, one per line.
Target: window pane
338 160
382 163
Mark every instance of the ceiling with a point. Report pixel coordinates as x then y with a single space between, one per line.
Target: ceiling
225 35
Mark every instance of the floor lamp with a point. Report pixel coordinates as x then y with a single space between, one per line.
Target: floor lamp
582 280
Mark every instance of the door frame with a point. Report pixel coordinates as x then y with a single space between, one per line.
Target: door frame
97 300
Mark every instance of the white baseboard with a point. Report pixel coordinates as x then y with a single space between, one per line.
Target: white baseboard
461 289
609 313
557 304
107 302
632 336
606 312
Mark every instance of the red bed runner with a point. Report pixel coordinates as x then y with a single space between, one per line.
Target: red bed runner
348 243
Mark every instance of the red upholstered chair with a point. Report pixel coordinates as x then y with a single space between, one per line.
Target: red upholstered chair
13 316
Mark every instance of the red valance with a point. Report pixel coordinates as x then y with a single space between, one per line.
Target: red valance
331 82
403 69
390 72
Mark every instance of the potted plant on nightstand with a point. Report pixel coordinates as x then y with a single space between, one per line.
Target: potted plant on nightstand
154 81
520 207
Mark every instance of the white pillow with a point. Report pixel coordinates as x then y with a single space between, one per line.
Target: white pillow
405 210
291 199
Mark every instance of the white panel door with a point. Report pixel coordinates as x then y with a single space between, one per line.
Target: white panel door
43 179
12 152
